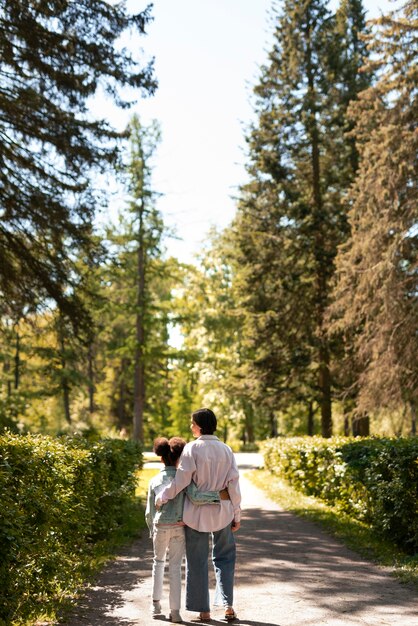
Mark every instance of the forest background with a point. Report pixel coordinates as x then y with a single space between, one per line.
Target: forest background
300 317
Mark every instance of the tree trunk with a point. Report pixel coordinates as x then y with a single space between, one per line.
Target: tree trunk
65 387
91 384
273 425
249 423
361 426
346 422
325 387
311 414
122 417
6 370
139 367
17 362
413 419
324 377
66 400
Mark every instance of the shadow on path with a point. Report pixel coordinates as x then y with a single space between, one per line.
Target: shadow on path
102 602
214 622
289 573
294 556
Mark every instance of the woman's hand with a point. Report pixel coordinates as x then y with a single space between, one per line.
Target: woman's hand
235 526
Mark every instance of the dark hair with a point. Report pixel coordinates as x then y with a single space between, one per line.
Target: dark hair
169 450
206 419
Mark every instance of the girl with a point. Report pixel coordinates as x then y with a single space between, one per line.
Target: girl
166 528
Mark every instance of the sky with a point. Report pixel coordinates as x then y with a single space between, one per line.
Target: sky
207 58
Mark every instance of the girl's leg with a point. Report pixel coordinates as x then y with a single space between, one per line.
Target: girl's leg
160 540
197 583
176 552
223 557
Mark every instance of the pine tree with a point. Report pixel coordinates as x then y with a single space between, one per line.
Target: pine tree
134 316
147 234
291 215
211 369
54 57
376 292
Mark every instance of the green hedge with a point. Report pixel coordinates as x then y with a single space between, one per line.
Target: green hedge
58 497
372 479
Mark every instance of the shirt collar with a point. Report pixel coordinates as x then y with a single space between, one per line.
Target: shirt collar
208 437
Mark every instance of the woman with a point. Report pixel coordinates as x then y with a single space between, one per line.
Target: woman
211 465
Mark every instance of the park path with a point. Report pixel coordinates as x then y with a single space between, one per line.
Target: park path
289 573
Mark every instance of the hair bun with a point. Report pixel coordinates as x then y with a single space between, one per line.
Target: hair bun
161 446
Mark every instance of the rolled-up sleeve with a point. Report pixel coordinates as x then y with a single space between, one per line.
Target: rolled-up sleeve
234 489
150 509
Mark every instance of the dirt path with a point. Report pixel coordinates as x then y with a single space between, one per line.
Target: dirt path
289 573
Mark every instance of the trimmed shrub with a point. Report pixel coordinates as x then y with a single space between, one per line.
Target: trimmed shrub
58 497
372 479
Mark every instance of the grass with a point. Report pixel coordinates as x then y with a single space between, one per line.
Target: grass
356 535
144 476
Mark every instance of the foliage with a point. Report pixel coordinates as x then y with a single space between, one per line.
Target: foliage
254 311
183 398
65 384
46 377
356 534
59 496
372 479
292 214
133 315
55 56
211 369
376 291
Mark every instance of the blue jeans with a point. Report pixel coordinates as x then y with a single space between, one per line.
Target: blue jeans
223 558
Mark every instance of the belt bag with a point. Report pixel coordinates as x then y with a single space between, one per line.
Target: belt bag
224 494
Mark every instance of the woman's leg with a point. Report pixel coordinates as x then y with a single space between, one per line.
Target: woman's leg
223 557
197 583
176 552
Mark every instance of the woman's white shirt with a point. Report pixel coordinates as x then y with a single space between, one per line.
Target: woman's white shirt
211 465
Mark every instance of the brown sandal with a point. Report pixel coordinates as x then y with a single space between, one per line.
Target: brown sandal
230 617
204 617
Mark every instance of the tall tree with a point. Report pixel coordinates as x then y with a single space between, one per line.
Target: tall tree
133 313
54 57
376 292
148 228
212 368
291 215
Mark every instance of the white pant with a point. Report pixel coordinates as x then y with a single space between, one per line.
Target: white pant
168 539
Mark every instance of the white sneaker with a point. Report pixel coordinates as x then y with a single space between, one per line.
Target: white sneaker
156 608
175 617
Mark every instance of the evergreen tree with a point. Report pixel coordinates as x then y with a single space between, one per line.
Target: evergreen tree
134 313
54 57
212 368
376 292
291 214
183 399
147 234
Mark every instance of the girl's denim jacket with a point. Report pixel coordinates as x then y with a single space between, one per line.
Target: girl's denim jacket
171 513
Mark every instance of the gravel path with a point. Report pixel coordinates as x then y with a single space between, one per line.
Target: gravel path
289 573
